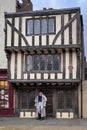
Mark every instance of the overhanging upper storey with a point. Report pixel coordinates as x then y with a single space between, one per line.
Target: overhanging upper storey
43 29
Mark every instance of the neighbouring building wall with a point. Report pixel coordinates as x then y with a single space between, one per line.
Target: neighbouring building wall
5 6
85 99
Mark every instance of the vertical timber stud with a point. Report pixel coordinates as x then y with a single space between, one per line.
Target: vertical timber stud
64 64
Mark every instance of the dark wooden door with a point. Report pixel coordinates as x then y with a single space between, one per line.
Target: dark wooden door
49 107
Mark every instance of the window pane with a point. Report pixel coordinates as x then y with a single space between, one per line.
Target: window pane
30 27
36 62
42 62
55 62
31 99
49 62
44 26
4 95
29 63
61 100
24 100
36 26
69 100
51 25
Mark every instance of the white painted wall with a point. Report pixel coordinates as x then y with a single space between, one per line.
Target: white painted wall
5 6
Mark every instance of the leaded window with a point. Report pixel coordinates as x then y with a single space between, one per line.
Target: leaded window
37 26
42 62
27 99
51 25
36 62
29 28
29 62
65 99
49 62
44 26
40 26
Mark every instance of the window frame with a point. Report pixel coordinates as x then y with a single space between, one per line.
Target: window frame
65 97
45 70
40 19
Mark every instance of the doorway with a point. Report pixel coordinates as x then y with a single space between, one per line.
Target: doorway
49 107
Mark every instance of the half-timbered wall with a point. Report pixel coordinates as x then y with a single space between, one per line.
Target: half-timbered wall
65 40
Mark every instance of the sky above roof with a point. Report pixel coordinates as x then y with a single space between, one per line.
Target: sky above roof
59 4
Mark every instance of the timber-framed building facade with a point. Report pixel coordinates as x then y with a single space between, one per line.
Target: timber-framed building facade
43 49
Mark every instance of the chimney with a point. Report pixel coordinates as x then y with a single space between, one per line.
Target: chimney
24 6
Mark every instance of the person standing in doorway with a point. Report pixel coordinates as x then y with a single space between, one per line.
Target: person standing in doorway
40 104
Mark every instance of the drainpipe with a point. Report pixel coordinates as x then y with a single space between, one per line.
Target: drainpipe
82 67
81 100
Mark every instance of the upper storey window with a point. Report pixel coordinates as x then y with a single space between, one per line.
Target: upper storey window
49 62
40 26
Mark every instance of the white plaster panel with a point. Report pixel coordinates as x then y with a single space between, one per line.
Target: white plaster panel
74 32
66 19
27 115
58 115
9 33
74 64
43 40
51 37
12 69
32 76
45 75
58 23
67 65
25 76
66 36
64 114
19 66
38 76
58 41
36 40
16 37
66 32
59 76
52 76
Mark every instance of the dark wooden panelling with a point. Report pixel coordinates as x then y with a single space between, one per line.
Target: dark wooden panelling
64 64
70 63
78 64
70 30
62 31
42 12
12 32
15 69
8 65
20 29
78 27
22 65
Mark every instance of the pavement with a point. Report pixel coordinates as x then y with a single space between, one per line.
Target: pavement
15 123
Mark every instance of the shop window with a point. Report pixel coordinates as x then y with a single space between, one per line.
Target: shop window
4 95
